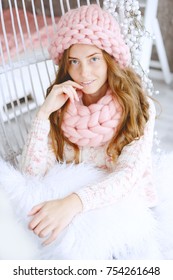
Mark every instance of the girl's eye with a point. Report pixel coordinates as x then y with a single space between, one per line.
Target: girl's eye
94 59
73 61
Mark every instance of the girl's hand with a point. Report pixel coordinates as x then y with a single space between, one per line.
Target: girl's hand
57 97
51 217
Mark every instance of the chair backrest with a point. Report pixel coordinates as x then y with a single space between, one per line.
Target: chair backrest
26 71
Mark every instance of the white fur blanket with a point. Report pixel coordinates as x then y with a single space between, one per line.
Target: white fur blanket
120 231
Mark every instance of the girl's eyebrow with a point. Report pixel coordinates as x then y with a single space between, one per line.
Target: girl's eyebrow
86 57
93 54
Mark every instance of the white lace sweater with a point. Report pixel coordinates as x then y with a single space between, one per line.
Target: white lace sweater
132 172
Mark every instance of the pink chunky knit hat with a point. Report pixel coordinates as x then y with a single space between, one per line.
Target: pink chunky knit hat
93 26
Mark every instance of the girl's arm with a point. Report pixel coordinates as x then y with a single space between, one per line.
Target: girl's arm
130 167
38 155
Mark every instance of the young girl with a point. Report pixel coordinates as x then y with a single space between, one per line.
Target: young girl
95 112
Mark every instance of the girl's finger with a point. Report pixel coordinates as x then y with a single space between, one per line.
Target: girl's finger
52 237
73 91
44 224
35 209
46 231
35 221
69 93
75 94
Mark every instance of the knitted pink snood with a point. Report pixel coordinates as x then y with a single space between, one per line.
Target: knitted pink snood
92 125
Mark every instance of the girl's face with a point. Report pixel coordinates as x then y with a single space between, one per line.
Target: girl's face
88 68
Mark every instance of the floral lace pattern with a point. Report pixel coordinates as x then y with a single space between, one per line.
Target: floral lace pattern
132 171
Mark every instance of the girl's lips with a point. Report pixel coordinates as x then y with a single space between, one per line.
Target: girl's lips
86 83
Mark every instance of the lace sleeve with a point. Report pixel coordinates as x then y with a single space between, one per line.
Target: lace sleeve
38 156
130 168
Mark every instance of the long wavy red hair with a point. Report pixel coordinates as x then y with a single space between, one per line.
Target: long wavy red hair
126 86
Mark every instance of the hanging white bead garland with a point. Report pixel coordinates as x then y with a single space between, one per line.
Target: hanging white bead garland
128 14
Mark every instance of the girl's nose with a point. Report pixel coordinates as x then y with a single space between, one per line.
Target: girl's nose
84 70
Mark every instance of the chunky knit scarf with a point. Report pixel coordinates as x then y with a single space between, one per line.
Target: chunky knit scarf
92 125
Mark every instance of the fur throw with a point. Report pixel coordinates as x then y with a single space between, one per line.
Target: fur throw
120 231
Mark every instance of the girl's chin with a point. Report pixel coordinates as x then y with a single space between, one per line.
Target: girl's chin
89 91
